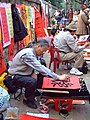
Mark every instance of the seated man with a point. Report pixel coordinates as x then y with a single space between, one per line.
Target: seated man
25 67
68 48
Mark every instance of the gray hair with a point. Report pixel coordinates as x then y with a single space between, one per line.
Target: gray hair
42 42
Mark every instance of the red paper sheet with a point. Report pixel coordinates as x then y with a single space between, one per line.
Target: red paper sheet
29 117
51 83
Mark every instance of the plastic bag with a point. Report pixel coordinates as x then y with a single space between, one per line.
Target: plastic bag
12 113
4 97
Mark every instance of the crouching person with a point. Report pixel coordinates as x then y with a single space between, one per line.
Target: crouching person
25 66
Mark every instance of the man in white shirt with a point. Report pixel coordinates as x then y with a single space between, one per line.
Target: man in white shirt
68 48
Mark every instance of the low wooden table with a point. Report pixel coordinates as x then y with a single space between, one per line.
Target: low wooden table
74 89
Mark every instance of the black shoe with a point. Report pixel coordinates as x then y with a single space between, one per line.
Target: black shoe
1 116
30 104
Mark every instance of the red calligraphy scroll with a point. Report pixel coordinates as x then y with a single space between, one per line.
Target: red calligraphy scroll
11 50
4 26
2 63
57 84
39 25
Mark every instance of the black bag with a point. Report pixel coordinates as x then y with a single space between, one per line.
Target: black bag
9 83
20 30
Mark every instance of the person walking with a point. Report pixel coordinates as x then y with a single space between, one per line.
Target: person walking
83 22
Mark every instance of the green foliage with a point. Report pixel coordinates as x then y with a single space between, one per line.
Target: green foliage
57 3
61 3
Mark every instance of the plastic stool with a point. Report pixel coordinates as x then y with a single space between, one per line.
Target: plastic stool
62 101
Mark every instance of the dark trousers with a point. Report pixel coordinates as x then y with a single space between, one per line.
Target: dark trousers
30 84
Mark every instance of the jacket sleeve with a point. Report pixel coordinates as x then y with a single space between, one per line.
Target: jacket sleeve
85 19
32 61
73 45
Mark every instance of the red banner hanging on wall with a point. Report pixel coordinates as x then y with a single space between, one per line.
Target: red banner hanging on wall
39 25
11 50
2 63
4 26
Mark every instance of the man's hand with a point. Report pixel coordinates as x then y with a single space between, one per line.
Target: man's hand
64 77
87 44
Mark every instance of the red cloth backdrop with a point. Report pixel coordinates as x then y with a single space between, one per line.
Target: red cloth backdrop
39 25
2 63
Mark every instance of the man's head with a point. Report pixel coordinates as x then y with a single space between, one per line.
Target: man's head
83 6
41 46
71 28
53 31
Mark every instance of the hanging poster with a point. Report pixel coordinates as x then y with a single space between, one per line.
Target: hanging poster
23 14
2 63
4 26
9 20
32 17
39 26
29 14
11 50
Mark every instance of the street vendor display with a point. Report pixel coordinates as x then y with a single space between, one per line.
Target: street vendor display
73 89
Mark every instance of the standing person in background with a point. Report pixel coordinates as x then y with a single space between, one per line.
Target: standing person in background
70 15
83 23
75 16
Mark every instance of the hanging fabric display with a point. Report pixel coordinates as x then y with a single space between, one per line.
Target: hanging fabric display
4 25
2 63
9 19
20 31
24 17
11 50
32 17
39 27
29 14
23 14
